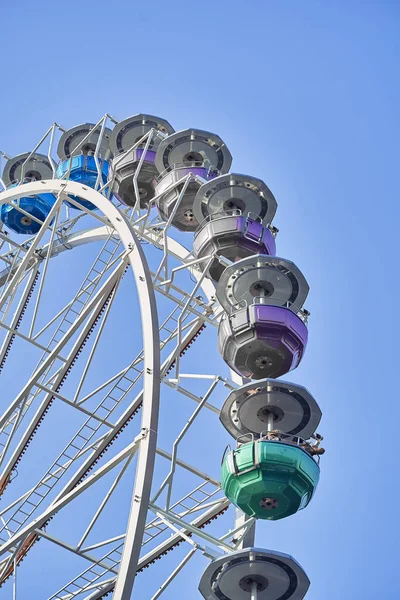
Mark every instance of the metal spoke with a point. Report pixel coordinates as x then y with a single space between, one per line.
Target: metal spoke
99 344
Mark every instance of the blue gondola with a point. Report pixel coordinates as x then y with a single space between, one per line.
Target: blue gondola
38 206
83 170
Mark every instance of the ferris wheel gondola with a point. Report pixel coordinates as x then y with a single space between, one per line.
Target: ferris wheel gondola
185 160
225 280
132 158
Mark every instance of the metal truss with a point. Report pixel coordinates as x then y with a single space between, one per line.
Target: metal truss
116 419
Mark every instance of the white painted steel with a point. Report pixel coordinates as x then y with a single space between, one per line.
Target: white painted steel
129 235
151 377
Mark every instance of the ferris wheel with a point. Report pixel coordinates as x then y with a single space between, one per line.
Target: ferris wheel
145 321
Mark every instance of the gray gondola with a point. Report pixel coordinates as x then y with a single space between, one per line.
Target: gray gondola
291 408
37 168
130 131
127 159
265 280
234 191
232 236
271 575
262 340
194 153
193 147
72 142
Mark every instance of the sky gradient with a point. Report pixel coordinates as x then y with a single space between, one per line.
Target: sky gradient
306 96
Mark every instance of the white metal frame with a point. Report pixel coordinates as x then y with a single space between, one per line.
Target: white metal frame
151 378
130 226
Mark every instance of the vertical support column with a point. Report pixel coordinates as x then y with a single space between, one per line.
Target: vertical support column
248 540
270 424
254 594
15 580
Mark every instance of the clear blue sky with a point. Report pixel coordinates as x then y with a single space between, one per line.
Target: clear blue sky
306 96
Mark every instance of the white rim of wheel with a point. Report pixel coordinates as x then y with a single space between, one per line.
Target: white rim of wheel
164 342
